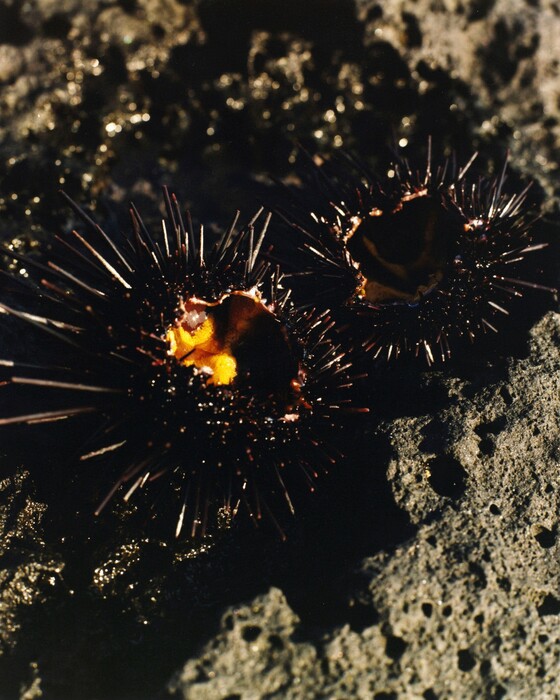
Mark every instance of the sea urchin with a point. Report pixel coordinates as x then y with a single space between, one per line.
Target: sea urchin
424 259
193 357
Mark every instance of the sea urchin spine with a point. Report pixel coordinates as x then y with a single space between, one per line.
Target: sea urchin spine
424 259
193 357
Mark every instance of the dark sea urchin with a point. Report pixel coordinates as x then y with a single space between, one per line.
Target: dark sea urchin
423 258
194 359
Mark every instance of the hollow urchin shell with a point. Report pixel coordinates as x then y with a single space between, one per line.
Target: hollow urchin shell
197 366
422 258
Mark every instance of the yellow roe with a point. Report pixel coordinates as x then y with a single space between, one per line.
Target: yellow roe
200 347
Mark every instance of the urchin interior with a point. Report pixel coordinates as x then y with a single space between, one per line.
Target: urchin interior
236 341
403 251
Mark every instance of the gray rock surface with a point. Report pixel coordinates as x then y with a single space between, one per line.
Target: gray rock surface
505 51
468 608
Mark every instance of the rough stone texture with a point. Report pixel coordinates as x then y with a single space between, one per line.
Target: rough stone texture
265 663
20 518
439 581
505 51
29 571
468 607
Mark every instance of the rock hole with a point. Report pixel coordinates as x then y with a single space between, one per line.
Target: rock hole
158 31
485 667
427 609
504 583
494 509
549 606
493 427
447 476
465 660
395 647
429 694
374 13
486 446
250 633
501 64
447 610
545 537
413 35
479 575
506 396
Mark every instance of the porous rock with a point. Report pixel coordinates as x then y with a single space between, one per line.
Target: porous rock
468 607
504 51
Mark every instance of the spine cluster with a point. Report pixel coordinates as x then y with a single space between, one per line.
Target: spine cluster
216 365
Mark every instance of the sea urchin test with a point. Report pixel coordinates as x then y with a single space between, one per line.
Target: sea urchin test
424 259
192 362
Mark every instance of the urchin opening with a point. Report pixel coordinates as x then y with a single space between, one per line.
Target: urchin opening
403 251
237 341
